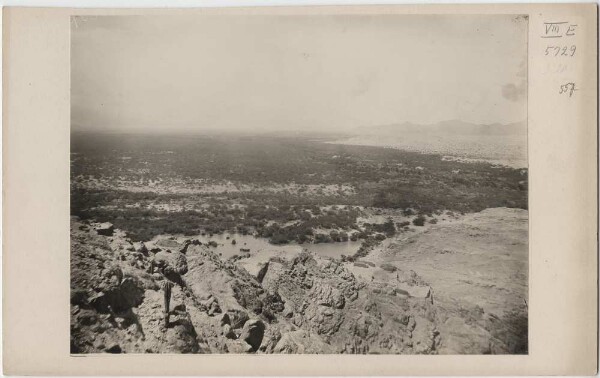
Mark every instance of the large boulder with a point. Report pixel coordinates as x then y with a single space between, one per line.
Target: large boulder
237 318
180 337
105 229
141 248
187 243
273 302
119 297
171 262
253 333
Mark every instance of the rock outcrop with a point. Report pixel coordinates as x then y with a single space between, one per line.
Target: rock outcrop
253 333
105 229
171 262
304 304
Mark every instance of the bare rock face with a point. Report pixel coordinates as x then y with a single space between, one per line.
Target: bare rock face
253 333
300 305
326 295
300 341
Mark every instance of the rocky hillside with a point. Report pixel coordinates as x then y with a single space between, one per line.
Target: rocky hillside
303 304
457 286
477 265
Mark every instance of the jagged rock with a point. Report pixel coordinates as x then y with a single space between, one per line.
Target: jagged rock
116 348
273 302
187 244
180 337
180 308
270 339
306 301
424 337
256 270
174 262
228 332
78 297
131 294
141 248
262 271
214 309
114 274
238 318
253 333
275 270
224 319
119 298
105 229
301 341
248 295
326 295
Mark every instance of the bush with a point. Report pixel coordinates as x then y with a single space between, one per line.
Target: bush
419 221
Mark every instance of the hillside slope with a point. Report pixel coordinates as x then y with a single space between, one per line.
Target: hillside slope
455 287
477 266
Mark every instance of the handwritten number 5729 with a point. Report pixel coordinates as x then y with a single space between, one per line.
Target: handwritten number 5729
561 50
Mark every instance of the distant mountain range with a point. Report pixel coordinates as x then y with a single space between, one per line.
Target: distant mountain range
447 127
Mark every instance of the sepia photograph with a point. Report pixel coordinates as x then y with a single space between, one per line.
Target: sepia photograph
299 184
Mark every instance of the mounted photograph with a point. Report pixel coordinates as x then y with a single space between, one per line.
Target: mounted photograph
300 184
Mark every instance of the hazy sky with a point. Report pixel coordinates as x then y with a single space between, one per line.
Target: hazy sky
295 72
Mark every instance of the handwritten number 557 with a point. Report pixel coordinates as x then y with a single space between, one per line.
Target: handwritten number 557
567 88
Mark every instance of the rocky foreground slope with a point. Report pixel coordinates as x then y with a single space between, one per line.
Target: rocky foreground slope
302 304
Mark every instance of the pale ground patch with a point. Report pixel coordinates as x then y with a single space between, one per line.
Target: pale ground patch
477 262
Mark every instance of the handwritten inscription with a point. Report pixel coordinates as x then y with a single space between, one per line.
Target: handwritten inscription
568 88
559 29
567 51
566 31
